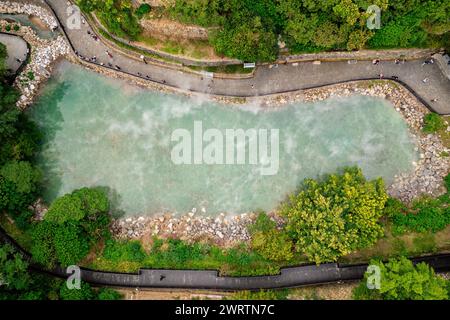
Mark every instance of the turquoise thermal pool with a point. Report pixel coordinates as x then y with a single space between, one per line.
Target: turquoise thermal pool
104 132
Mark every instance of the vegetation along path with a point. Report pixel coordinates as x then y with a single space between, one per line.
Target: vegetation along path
20 49
210 279
435 91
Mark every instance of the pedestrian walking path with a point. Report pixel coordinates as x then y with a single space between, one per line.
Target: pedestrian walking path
435 91
17 50
210 279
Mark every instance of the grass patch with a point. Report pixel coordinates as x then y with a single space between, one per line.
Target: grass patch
227 69
424 243
409 244
432 122
129 256
443 134
196 49
120 44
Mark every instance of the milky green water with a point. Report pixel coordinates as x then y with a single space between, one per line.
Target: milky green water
104 132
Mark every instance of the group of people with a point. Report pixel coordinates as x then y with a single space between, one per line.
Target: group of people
94 36
397 61
376 62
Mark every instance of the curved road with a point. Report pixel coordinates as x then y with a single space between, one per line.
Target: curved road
283 78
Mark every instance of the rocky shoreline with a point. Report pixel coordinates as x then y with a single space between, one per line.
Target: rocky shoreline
429 170
426 178
224 230
44 52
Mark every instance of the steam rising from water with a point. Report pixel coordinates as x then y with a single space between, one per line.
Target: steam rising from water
103 132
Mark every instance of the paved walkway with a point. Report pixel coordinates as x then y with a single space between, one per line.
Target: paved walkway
17 49
210 279
266 80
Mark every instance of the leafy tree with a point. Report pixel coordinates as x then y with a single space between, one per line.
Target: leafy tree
300 28
401 280
13 269
19 283
43 249
204 12
3 56
143 9
9 114
87 206
329 35
436 20
248 41
66 208
71 246
22 174
358 39
447 182
337 216
73 223
18 185
347 11
117 15
268 241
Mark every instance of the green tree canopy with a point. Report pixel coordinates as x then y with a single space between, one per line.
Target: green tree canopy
13 269
401 280
337 216
73 223
18 185
3 56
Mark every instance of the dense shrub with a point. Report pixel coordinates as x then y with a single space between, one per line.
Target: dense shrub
447 182
314 25
18 283
18 185
3 56
248 41
143 10
117 15
128 256
13 269
332 218
73 223
401 280
43 249
424 215
19 138
432 122
84 293
124 251
71 244
268 241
